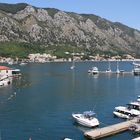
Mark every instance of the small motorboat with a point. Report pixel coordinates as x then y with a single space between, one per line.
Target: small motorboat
87 118
94 70
67 139
138 98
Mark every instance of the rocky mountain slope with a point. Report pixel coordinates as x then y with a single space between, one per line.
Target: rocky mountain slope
25 23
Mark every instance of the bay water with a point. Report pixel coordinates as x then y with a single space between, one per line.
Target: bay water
39 104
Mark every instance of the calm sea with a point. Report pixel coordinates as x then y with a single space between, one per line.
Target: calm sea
40 103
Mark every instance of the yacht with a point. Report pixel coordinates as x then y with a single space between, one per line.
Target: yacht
131 110
94 70
138 98
125 112
136 70
87 118
134 105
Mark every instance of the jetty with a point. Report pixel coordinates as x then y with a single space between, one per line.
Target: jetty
109 130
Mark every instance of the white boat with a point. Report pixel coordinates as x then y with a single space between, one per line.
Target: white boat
109 68
87 119
136 64
73 62
117 71
138 98
122 112
132 109
125 112
94 70
73 66
23 64
134 105
136 138
67 139
5 82
136 70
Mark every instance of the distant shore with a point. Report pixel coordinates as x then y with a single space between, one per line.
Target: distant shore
11 61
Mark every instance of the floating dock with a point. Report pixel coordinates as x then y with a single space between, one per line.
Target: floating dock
109 130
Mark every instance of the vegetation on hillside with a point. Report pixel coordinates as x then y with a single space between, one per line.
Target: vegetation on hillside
12 8
20 50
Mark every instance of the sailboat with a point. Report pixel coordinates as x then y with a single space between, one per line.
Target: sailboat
117 71
73 62
109 69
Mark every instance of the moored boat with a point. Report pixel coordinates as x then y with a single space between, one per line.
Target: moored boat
94 70
136 71
87 119
109 68
131 110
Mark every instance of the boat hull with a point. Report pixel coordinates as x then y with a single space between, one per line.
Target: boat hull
121 115
85 122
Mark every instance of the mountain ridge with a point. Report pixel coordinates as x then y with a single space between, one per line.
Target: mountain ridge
48 26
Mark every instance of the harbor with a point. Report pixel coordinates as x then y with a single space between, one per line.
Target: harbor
40 104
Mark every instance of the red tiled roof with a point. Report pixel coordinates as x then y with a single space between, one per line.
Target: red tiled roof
4 68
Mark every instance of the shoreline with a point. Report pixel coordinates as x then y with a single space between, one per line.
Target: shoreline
11 62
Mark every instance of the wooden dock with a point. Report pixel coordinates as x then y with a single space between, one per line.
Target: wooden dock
109 130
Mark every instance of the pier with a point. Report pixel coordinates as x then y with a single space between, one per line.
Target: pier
109 130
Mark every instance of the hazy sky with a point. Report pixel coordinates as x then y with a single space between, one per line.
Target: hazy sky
124 11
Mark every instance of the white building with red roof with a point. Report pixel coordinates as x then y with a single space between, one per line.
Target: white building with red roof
9 72
5 71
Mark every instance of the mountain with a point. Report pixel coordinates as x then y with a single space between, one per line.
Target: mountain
47 27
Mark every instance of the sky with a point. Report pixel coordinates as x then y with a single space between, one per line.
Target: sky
124 11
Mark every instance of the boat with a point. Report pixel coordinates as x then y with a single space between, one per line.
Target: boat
23 64
136 70
134 105
125 112
136 138
73 66
73 62
138 98
131 110
109 68
5 82
136 64
117 71
87 119
94 70
67 139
